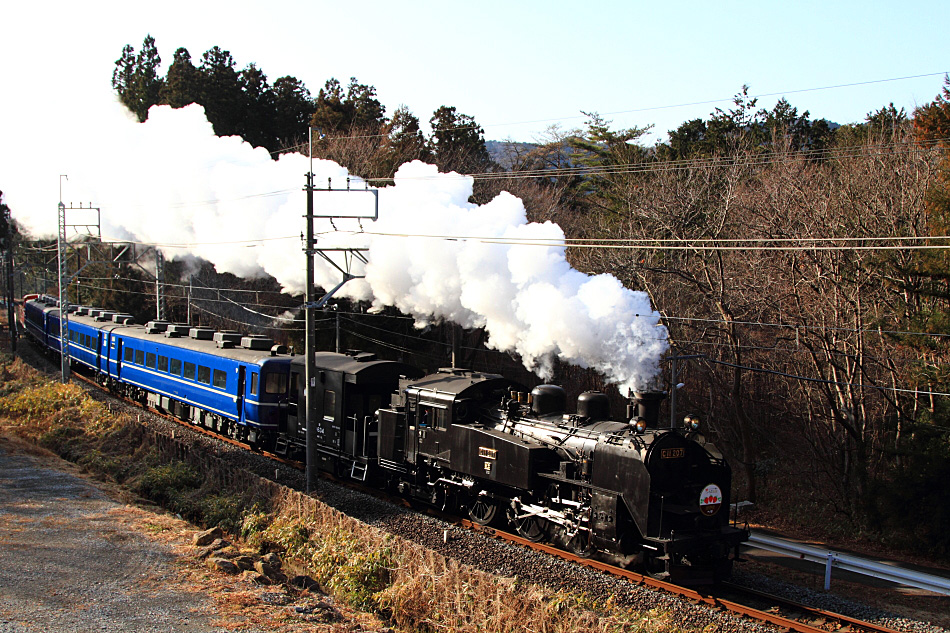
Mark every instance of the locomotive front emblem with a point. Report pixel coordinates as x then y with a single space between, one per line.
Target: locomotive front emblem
710 499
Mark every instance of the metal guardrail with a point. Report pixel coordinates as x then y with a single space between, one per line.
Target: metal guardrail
848 562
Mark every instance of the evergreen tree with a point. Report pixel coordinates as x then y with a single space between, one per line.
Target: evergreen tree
404 141
292 108
182 82
458 142
220 92
356 111
257 109
136 78
123 77
599 147
6 225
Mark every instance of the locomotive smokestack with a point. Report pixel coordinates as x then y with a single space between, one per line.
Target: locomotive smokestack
648 406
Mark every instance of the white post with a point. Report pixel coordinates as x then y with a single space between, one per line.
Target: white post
828 563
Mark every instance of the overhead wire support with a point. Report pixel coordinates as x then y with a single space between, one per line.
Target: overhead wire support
350 257
63 292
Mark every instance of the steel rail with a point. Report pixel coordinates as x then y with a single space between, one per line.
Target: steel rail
697 597
830 615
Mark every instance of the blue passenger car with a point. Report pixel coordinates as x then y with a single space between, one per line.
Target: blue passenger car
41 318
236 385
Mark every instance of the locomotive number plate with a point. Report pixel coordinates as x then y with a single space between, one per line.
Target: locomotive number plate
488 453
672 453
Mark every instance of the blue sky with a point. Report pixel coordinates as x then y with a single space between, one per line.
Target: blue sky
517 67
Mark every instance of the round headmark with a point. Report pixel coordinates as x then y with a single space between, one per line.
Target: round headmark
710 499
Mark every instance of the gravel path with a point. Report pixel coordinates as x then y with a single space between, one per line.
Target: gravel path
71 562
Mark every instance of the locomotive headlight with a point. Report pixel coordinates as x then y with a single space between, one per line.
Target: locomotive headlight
691 422
640 424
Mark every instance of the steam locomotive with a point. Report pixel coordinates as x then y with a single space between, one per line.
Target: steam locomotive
625 491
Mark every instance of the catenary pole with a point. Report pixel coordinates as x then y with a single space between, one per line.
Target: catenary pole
309 343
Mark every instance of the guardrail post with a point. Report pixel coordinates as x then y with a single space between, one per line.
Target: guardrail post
828 562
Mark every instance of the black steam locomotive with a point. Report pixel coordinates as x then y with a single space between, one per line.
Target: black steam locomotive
625 491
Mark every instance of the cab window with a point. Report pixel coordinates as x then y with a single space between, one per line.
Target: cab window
253 384
429 416
275 384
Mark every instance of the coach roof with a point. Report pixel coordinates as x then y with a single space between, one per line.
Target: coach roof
205 346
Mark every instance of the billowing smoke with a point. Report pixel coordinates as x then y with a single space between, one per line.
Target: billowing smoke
432 254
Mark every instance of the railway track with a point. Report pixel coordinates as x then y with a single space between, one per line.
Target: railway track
762 607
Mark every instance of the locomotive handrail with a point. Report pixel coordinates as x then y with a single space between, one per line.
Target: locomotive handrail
852 563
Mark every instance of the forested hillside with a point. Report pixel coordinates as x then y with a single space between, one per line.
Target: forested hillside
804 262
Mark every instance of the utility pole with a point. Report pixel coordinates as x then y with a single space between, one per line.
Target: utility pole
675 386
63 295
7 257
309 340
159 285
336 309
350 256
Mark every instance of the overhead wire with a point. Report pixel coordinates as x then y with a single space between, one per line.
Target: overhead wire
663 317
760 370
678 342
634 110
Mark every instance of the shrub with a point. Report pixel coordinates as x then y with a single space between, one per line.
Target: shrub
168 485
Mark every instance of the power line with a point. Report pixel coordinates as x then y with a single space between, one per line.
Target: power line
826 381
753 160
732 98
793 326
644 109
663 317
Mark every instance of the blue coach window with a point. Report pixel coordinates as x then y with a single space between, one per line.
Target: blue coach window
253 384
163 363
129 354
275 384
204 375
174 366
220 379
190 371
139 357
150 360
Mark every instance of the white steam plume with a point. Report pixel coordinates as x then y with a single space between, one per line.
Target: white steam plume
171 181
